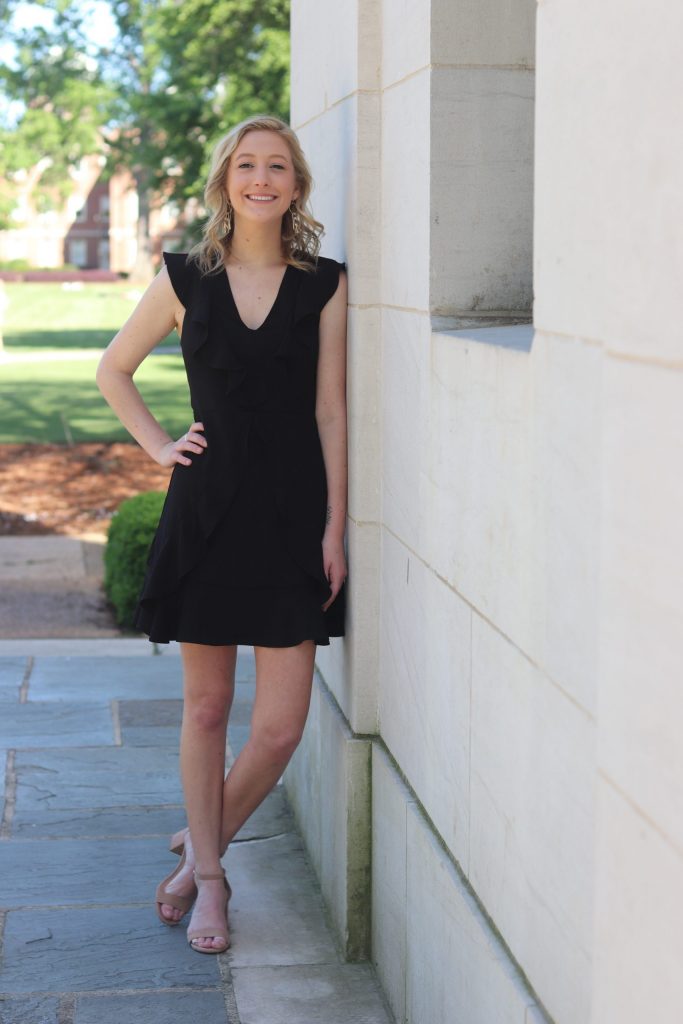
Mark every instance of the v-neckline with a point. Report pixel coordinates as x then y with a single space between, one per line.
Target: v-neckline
254 330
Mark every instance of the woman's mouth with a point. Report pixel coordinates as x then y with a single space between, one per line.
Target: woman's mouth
257 197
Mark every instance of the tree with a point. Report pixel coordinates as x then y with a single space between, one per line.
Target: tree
174 77
185 73
64 100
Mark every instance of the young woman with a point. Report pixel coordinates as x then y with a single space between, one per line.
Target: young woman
250 544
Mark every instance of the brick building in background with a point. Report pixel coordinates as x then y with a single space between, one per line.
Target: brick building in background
96 228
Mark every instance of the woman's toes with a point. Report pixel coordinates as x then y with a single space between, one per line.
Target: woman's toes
210 942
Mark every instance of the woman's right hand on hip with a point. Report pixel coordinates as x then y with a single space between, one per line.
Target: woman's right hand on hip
192 441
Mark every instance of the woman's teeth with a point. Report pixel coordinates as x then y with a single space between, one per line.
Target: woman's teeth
262 199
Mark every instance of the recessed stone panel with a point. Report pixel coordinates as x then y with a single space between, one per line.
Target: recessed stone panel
533 763
424 701
457 970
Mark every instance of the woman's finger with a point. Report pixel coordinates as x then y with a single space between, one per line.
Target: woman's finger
197 438
191 446
192 442
335 579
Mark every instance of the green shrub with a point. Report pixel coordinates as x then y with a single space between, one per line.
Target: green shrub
15 265
125 557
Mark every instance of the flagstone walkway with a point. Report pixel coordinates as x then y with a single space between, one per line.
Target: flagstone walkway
89 737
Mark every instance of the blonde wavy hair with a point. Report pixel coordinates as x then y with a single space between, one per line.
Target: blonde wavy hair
300 247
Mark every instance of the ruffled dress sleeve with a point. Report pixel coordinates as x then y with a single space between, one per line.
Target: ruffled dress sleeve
316 289
182 275
327 276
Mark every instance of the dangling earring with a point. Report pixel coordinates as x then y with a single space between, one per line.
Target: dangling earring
296 219
228 219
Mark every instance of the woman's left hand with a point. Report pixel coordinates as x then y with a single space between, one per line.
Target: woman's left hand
334 564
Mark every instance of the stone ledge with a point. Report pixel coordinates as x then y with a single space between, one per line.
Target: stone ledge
518 337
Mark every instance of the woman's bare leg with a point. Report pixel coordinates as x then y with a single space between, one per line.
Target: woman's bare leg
208 684
284 677
283 694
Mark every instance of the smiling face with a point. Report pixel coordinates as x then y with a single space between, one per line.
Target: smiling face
261 182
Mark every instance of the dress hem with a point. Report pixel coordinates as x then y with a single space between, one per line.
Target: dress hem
237 643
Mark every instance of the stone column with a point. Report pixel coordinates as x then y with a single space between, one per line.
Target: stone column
335 111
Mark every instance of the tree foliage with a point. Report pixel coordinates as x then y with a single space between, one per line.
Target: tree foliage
171 80
63 98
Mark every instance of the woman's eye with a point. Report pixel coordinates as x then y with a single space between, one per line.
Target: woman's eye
246 163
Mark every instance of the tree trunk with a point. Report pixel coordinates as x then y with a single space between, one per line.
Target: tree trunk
143 268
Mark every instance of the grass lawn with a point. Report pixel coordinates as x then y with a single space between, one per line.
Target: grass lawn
52 316
48 398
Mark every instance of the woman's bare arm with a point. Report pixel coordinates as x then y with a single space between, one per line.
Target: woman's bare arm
330 410
158 312
330 413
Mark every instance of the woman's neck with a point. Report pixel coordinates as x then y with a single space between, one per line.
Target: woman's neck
256 244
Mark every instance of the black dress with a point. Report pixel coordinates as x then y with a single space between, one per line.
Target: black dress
237 555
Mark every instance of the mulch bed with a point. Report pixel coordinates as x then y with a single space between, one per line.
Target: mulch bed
53 488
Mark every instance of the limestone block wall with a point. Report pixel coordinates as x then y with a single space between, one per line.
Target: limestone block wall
503 710
609 261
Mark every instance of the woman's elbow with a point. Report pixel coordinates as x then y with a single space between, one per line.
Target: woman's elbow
106 371
102 372
331 415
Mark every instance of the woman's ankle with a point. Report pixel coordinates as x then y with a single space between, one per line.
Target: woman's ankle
209 869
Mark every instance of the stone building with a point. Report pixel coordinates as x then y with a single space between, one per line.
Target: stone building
490 783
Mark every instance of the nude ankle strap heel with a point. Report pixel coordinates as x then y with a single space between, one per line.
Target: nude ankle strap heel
177 843
181 903
211 932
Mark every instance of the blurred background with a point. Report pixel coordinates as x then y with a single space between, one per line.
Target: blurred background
108 116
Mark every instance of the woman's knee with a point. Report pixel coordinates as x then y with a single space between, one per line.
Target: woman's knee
279 739
208 713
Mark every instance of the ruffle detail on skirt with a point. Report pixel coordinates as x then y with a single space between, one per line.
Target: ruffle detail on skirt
218 615
199 496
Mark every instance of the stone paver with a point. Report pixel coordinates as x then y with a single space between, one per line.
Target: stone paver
93 679
92 948
97 823
90 745
276 911
141 1008
67 724
141 677
29 1009
96 777
309 994
76 872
